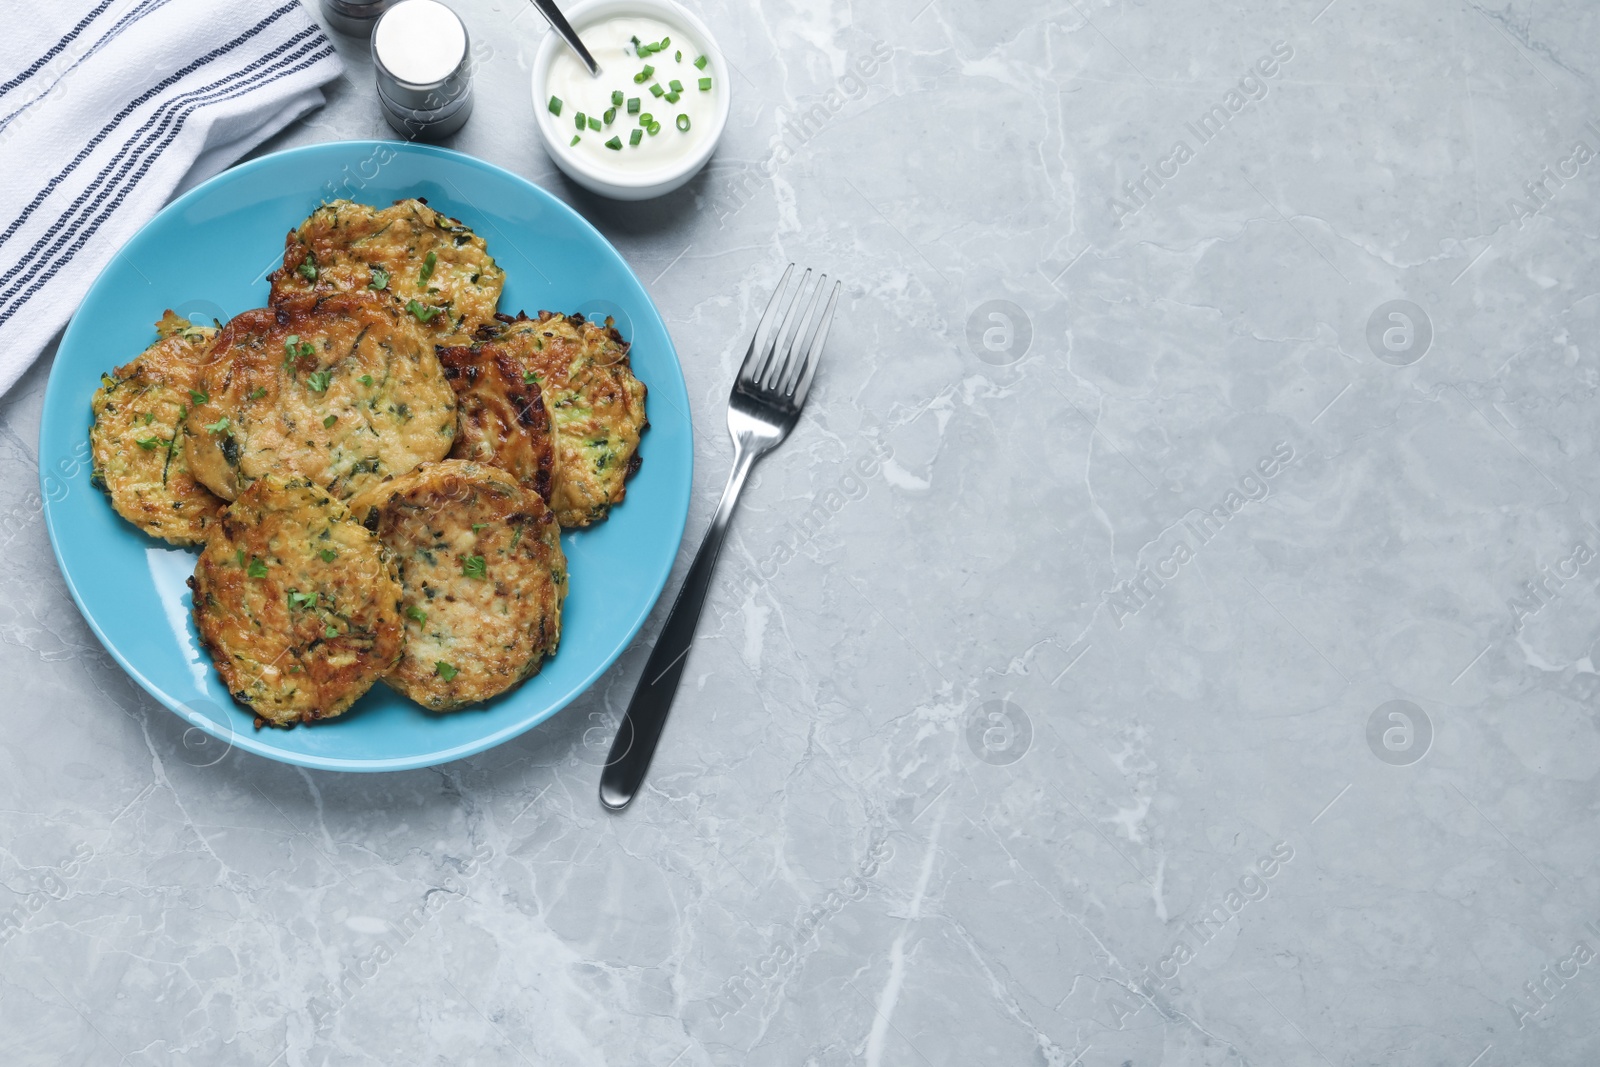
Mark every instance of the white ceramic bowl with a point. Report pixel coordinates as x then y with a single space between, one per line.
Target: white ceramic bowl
615 182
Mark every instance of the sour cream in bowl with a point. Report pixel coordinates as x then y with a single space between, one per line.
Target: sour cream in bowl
653 116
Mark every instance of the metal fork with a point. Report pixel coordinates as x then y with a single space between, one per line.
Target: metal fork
764 406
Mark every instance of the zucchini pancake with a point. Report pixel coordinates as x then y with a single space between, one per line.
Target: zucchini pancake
500 416
377 466
343 389
298 605
596 405
434 268
136 441
482 577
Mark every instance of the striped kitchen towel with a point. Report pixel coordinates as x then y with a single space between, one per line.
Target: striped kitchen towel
106 108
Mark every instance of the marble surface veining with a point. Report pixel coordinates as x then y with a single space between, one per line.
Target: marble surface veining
1169 639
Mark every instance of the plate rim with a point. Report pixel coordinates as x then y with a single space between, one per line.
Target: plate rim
247 741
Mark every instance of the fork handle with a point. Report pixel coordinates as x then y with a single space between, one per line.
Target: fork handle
641 727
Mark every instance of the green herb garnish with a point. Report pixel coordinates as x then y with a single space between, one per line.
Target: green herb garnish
328 555
423 314
365 379
198 398
633 105
257 569
701 62
615 144
445 671
308 268
427 268
616 98
636 136
318 381
555 105
147 443
705 84
580 120
414 612
327 423
301 600
380 279
474 567
683 123
218 426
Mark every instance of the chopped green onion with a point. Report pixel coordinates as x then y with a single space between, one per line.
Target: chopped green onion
633 105
258 392
705 83
575 140
672 97
365 379
380 279
555 105
657 91
611 113
580 120
427 268
318 381
636 136
655 128
327 423
677 57
616 98
615 144
648 70
675 85
701 62
646 119
594 123
445 671
257 569
479 526
328 555
683 123
664 42
414 612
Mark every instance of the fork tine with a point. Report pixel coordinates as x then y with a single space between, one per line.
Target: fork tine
794 360
814 356
767 374
756 343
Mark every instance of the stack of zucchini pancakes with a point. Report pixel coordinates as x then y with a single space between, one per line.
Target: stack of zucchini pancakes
377 466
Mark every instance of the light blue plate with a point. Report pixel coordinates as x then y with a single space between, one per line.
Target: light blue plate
206 256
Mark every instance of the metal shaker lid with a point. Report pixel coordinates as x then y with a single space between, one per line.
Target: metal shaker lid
355 17
420 53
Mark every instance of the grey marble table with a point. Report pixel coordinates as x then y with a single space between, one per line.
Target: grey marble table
1168 639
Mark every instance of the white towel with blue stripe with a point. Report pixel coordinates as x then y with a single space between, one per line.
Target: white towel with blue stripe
107 107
